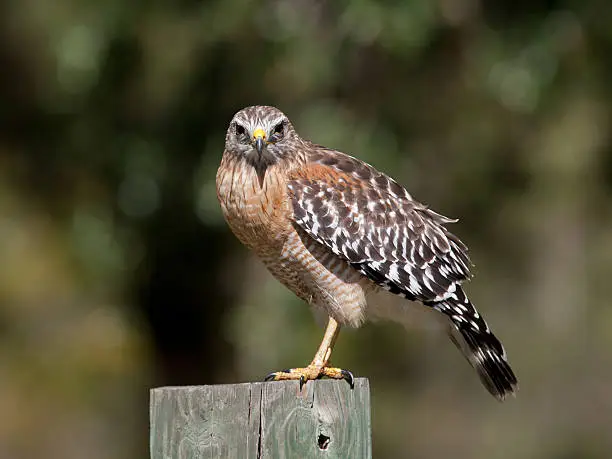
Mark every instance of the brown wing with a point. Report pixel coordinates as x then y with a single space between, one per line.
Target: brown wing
368 219
371 221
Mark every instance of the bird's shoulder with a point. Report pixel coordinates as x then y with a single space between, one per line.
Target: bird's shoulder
336 168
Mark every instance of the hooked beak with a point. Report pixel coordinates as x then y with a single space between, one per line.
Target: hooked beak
259 137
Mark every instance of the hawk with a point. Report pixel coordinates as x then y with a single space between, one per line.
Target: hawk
334 230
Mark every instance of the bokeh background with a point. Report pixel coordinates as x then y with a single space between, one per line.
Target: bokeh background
117 272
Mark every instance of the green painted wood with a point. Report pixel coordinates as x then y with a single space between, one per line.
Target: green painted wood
262 420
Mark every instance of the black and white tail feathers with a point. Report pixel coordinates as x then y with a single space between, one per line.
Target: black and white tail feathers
481 348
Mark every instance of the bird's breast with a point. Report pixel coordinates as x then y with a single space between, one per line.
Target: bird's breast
260 214
257 211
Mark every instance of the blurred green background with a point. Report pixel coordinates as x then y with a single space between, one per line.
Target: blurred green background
118 273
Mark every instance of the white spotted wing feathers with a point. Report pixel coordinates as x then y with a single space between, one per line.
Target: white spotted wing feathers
372 222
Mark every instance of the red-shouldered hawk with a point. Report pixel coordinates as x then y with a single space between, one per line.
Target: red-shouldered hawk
334 230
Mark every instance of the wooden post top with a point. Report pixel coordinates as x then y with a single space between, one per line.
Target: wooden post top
262 420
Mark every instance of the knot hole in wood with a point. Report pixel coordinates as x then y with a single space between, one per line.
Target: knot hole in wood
323 441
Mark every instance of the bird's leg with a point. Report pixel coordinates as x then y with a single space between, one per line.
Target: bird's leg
318 367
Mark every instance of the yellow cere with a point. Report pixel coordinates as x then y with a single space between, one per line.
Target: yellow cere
259 132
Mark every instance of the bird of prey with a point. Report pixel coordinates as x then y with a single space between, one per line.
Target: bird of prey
334 230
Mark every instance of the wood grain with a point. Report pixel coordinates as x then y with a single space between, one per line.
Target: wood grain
262 420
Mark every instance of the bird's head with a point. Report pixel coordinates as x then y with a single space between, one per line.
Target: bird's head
262 135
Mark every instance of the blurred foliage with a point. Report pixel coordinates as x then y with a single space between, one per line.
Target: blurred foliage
118 272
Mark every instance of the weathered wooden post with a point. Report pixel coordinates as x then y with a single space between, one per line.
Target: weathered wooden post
262 420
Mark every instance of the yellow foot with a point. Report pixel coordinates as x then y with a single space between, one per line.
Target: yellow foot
312 372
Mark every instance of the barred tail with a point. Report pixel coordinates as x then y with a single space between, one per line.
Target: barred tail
478 344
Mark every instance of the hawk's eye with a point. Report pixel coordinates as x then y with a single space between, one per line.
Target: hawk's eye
240 130
279 128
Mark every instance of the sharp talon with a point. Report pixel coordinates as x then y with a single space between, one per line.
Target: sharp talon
302 381
270 377
348 377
